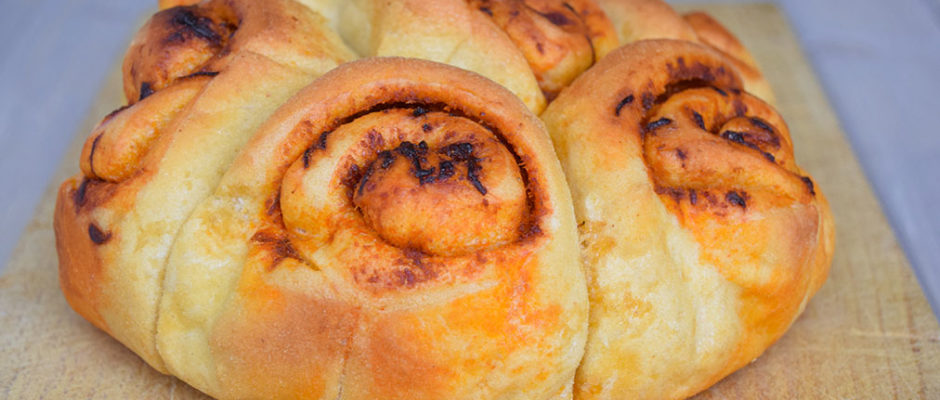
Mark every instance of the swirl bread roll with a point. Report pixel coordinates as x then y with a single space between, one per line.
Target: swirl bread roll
702 239
635 20
199 80
712 33
533 47
400 229
654 19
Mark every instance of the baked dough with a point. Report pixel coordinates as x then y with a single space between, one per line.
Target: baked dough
535 48
400 229
701 238
654 19
635 20
712 33
199 81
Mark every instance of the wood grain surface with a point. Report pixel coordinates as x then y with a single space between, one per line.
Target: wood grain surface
869 332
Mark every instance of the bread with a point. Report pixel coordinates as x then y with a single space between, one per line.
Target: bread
307 273
147 166
712 33
267 218
702 239
654 19
646 19
533 48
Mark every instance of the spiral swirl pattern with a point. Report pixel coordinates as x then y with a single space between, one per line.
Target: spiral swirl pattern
394 210
701 237
402 229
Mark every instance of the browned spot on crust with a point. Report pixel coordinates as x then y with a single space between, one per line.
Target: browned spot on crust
320 144
97 235
809 184
177 43
648 101
760 124
681 154
91 154
374 140
416 155
658 124
278 244
145 90
712 200
321 141
530 230
91 193
680 71
677 194
273 205
306 157
556 18
463 152
698 120
414 255
78 197
415 268
189 24
365 178
405 277
738 199
736 137
623 102
352 177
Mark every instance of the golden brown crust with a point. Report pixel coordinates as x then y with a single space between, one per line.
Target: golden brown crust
296 243
176 43
714 34
300 268
147 164
655 19
701 237
646 19
116 147
446 31
164 4
559 39
532 47
79 264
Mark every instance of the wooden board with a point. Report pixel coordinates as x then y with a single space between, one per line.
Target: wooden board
869 333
